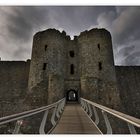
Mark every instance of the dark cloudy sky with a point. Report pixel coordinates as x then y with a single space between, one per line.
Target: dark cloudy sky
18 24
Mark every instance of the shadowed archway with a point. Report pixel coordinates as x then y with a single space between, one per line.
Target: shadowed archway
72 95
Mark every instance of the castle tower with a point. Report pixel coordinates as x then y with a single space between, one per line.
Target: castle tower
97 71
47 70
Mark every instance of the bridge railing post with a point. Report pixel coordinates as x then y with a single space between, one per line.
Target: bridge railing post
108 126
53 116
17 126
96 115
58 110
85 106
63 104
131 128
90 111
43 123
61 107
82 104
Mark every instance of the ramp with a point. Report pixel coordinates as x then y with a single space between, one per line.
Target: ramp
75 121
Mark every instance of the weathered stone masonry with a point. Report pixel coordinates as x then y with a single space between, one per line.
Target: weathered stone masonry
13 85
84 64
59 64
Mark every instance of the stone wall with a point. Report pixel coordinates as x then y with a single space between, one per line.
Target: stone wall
13 84
128 78
55 88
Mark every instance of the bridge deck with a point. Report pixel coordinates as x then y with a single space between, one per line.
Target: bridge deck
75 121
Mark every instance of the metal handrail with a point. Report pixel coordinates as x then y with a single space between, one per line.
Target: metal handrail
127 118
25 114
29 111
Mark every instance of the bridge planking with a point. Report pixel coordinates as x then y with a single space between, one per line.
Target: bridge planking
75 121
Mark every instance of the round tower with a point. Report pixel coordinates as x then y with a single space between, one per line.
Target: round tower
98 79
48 63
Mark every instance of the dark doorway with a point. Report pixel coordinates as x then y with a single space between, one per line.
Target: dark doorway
72 95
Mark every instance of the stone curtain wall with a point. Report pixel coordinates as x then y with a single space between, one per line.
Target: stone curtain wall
128 78
13 84
14 81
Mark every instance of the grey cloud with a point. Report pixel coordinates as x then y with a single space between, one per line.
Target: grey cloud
126 26
76 19
26 19
127 50
133 59
18 24
20 52
105 19
126 32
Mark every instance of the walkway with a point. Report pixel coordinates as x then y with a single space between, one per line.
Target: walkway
75 121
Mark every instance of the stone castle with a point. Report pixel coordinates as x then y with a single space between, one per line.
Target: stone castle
60 66
84 65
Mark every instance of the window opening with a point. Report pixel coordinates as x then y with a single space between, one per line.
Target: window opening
72 69
71 53
100 66
44 66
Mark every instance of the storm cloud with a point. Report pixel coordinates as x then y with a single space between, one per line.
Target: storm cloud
19 24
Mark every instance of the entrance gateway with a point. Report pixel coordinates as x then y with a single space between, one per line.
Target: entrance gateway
72 95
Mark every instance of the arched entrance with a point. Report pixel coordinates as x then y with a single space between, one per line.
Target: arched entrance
72 95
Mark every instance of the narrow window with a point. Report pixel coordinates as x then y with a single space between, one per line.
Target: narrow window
71 69
98 46
44 66
100 66
71 53
46 47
